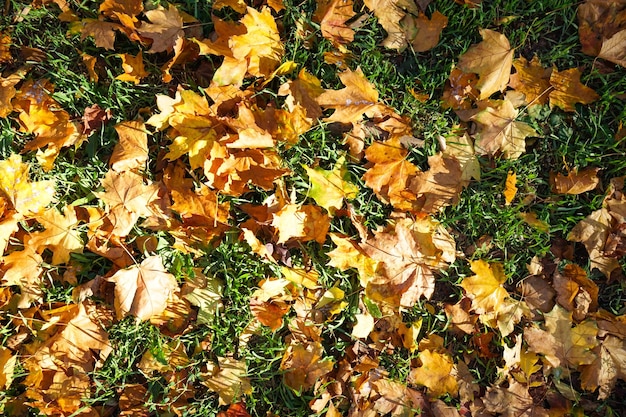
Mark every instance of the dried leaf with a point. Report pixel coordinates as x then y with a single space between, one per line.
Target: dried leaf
332 16
303 365
423 33
61 235
359 97
133 67
260 46
576 182
491 59
510 189
435 373
609 365
143 290
131 151
27 197
499 131
531 79
389 14
165 28
614 49
229 379
568 90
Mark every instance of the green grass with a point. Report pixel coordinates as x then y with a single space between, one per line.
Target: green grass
481 224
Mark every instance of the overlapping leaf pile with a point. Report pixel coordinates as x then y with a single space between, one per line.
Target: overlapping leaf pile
224 142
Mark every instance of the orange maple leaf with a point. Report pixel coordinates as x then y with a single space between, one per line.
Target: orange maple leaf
359 97
133 67
390 173
531 79
131 151
260 46
304 364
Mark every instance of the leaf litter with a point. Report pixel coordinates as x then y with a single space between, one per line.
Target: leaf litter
226 142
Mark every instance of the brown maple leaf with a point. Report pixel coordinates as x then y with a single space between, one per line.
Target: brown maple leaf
576 182
614 48
409 252
142 290
423 33
164 29
390 14
103 32
609 365
499 131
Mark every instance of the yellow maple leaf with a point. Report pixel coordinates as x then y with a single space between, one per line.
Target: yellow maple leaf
485 288
260 46
568 90
531 79
61 235
435 373
562 343
229 379
28 198
330 188
303 223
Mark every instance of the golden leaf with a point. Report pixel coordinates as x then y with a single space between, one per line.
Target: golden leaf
133 67
435 373
27 197
568 90
61 235
491 59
